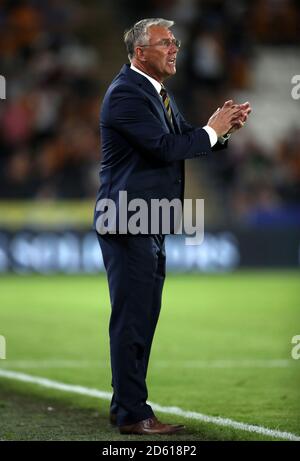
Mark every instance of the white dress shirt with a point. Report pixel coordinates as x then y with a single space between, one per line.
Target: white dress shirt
213 138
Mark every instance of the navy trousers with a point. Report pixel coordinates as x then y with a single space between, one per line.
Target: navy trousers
135 266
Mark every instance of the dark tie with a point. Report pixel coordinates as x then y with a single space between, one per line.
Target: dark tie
166 101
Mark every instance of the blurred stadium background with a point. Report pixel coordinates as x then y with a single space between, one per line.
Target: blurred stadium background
58 59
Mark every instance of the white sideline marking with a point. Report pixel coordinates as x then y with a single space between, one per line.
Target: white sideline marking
53 363
169 410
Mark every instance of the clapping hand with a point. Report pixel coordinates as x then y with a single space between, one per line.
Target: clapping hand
229 118
240 121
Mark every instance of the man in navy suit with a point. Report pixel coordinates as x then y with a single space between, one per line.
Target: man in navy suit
145 140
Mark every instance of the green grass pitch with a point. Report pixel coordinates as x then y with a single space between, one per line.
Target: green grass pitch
222 348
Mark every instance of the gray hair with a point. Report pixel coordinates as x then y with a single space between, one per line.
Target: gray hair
138 33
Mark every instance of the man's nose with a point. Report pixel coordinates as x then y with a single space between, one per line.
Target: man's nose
173 48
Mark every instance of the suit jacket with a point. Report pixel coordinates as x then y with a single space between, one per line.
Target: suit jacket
142 152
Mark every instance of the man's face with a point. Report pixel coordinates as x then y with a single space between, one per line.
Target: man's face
159 60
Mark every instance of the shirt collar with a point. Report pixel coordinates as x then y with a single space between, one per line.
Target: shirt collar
154 82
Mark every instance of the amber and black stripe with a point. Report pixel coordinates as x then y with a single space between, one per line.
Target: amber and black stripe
166 101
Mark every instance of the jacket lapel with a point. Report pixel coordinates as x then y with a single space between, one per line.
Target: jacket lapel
147 86
174 113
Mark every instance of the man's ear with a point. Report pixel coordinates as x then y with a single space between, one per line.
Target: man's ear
139 53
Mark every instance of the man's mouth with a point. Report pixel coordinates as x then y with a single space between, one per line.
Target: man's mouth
172 61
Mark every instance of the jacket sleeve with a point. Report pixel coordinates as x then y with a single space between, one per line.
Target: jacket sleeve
131 114
187 127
